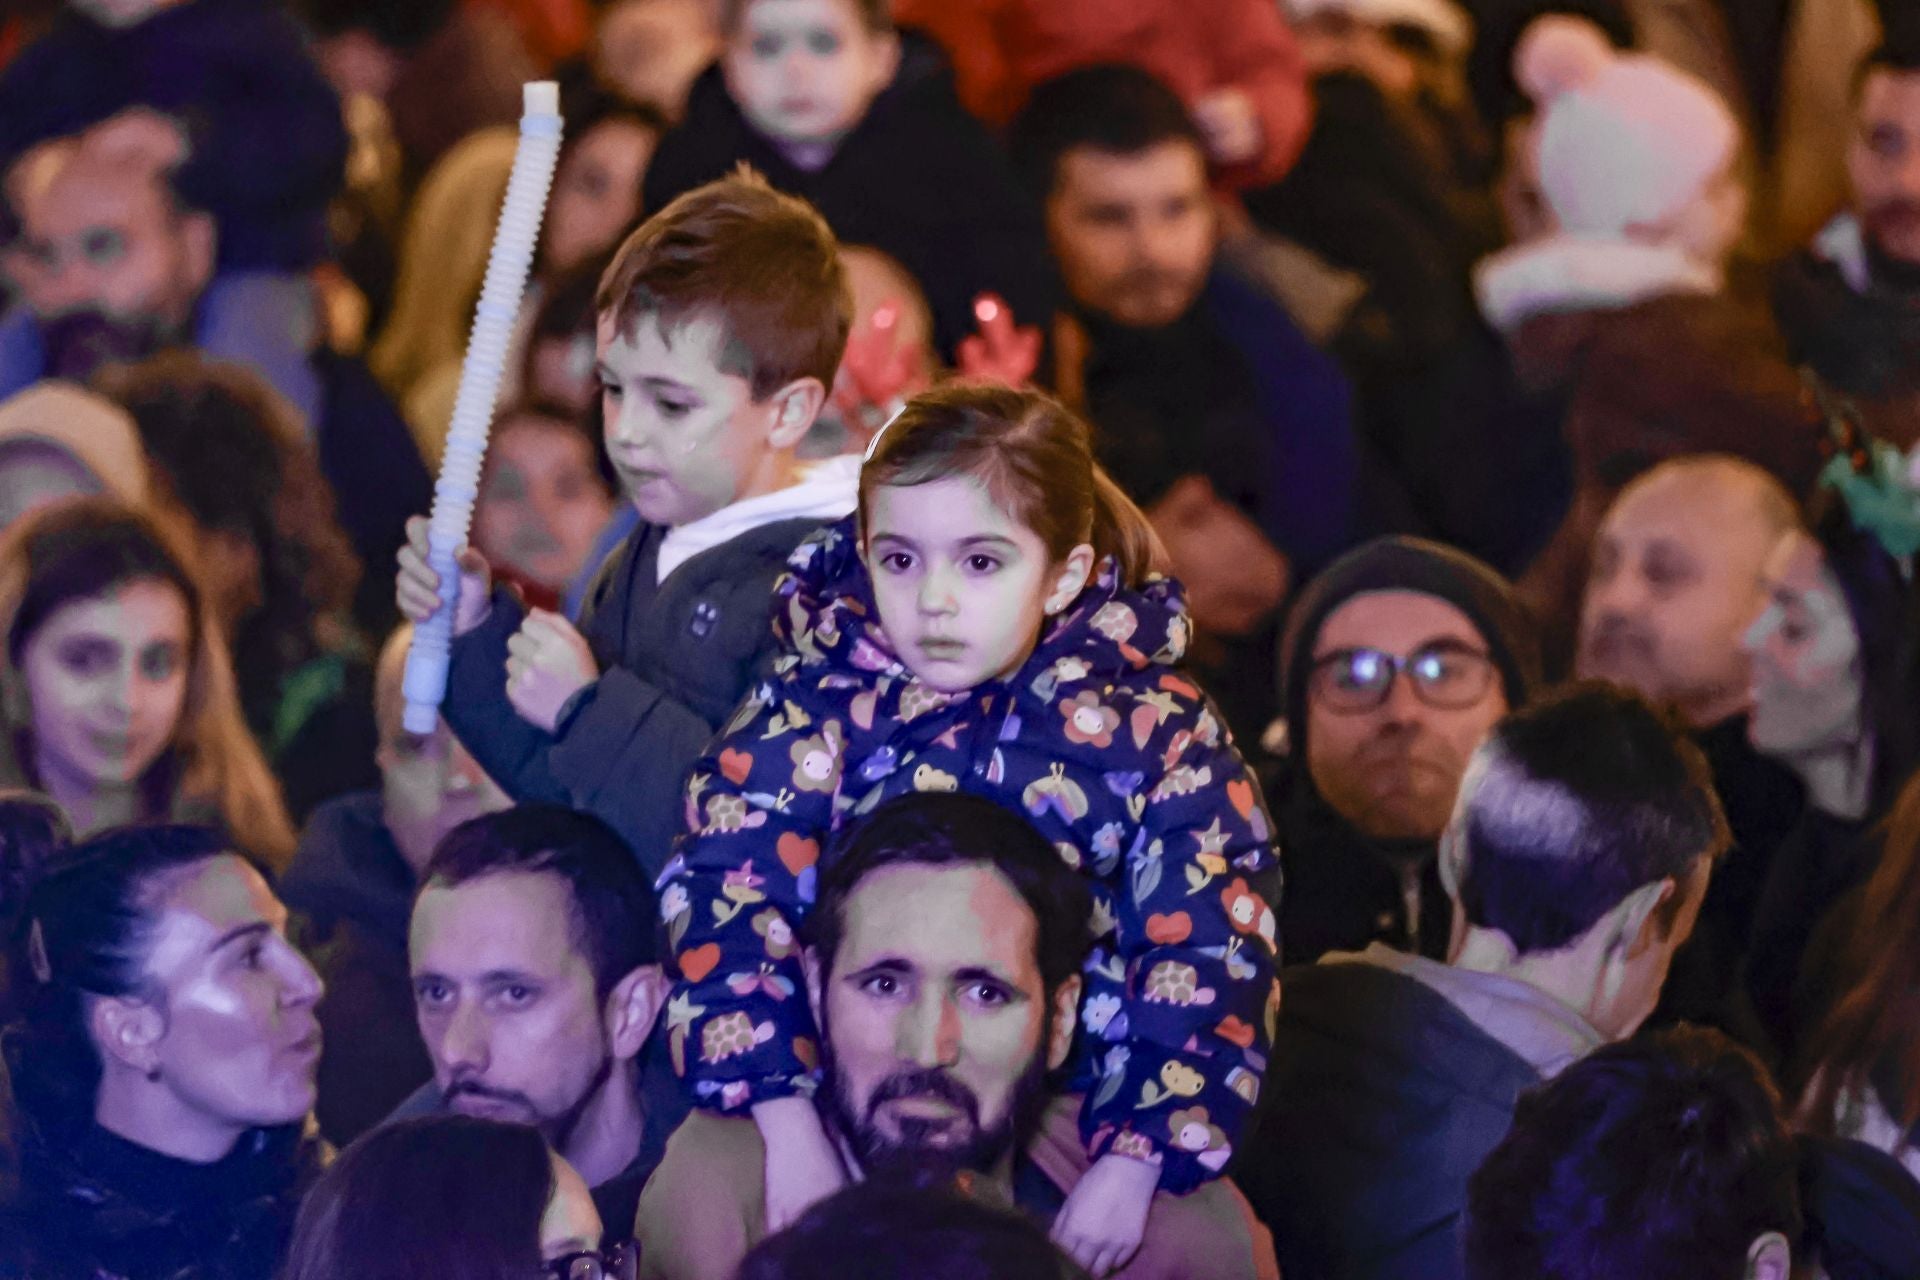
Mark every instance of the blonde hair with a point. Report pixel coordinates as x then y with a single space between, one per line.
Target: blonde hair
85 549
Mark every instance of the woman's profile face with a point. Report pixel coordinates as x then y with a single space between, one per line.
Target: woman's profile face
1807 688
571 1224
240 1043
106 684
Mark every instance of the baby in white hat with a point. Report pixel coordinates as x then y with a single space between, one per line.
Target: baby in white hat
1635 164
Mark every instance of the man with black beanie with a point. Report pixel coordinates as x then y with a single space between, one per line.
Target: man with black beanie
1397 662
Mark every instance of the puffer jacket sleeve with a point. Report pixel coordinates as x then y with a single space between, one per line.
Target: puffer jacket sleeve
1197 936
759 804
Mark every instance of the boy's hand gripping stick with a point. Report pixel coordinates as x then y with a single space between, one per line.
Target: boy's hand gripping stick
425 684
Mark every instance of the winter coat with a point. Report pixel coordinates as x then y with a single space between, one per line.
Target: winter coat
101 1208
917 178
1383 1098
1345 890
1118 761
1003 49
1859 331
353 894
267 149
675 658
1235 392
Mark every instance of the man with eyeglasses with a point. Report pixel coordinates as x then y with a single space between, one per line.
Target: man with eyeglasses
1398 660
1575 862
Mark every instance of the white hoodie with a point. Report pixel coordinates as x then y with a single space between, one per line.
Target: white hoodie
826 491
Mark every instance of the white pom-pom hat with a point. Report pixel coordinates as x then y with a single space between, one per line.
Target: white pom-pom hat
1623 140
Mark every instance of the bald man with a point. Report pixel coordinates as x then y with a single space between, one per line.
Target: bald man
1675 584
352 882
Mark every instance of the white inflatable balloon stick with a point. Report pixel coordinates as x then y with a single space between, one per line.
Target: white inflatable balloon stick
425 684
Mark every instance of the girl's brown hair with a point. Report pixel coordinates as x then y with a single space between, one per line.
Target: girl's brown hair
1872 1034
1035 457
86 549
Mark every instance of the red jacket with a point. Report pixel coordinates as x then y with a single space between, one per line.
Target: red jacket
1001 49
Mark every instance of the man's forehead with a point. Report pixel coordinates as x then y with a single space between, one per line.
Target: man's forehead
503 920
939 918
1095 174
85 196
1702 514
1395 620
1891 94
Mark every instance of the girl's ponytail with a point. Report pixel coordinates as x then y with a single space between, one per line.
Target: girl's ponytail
1121 530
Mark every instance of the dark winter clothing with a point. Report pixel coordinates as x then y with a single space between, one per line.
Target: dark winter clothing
1862 1209
1346 891
1763 802
267 149
1821 864
618 1198
1106 748
675 658
98 1207
315 723
918 179
1235 392
353 893
1855 318
1392 1079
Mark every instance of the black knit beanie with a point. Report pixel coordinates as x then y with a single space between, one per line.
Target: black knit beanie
1410 564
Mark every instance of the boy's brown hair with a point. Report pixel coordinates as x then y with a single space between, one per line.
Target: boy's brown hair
765 265
875 15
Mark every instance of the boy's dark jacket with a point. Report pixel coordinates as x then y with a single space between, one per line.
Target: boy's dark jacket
675 659
1382 1099
918 179
1118 761
267 149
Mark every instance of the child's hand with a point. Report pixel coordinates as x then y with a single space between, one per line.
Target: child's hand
418 587
802 1166
1231 126
547 663
1101 1223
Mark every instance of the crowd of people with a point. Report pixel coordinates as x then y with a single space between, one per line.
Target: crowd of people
1100 638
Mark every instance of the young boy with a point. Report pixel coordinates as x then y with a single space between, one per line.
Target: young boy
721 324
827 100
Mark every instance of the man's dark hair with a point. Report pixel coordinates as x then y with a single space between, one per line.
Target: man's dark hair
400 25
1575 802
936 829
908 1233
1899 53
1662 1158
1118 109
613 906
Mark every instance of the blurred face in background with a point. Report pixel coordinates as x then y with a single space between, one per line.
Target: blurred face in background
596 192
1884 163
1806 657
805 71
653 50
106 684
543 501
1134 234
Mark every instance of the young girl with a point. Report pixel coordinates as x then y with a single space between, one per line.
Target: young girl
991 623
117 692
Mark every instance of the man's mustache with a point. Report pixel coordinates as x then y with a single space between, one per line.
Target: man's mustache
930 1083
474 1089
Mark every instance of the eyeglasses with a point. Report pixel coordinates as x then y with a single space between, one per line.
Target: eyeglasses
1446 675
613 1262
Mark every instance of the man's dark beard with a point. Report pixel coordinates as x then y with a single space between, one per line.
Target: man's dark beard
80 343
557 1130
917 1161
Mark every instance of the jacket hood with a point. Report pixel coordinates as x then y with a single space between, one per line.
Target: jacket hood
827 616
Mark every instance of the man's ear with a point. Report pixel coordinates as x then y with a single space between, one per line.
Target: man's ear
633 1008
795 406
810 964
1066 1020
128 1031
1770 1258
200 235
1639 922
1075 569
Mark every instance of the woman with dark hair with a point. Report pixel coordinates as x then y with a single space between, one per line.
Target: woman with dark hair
116 690
162 1064
451 1195
283 575
1836 685
1860 1078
